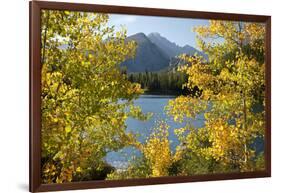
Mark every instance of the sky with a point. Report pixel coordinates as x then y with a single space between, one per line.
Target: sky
177 30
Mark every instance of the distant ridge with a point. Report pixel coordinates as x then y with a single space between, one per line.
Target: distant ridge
148 56
155 53
170 48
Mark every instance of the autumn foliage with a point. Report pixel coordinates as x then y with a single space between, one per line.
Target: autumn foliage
86 101
82 118
232 98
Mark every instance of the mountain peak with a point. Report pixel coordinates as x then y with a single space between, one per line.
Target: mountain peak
171 49
159 36
138 35
148 55
154 34
154 52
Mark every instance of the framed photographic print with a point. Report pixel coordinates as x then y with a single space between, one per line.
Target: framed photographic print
123 96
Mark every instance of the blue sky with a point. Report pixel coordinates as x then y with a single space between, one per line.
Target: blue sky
178 30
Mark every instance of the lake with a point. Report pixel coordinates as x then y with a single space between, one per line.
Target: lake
156 105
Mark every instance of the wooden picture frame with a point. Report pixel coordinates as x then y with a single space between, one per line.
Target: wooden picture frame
35 7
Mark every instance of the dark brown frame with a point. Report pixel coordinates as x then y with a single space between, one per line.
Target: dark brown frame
35 184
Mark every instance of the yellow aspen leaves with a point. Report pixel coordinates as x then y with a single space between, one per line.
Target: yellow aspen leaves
67 129
82 85
232 85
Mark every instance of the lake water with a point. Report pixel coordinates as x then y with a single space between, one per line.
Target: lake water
156 105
